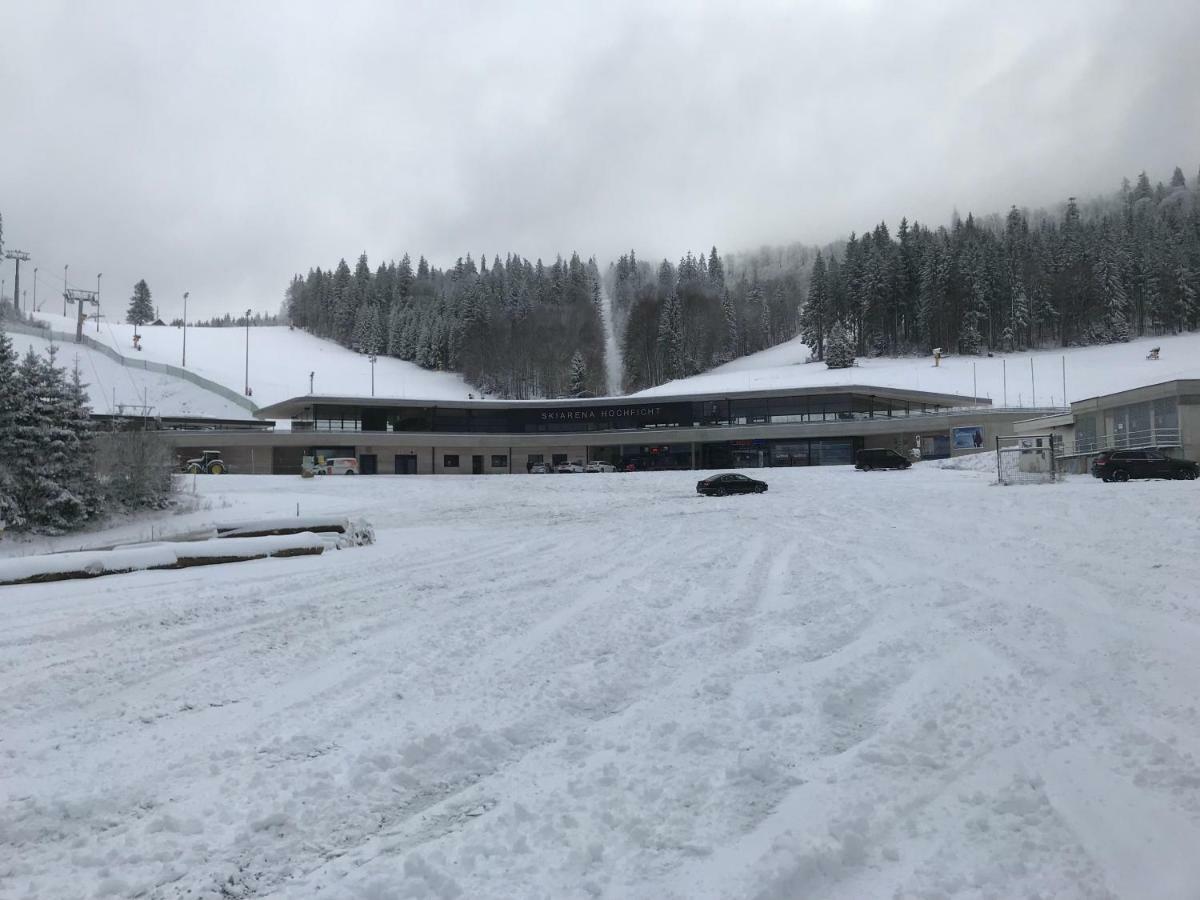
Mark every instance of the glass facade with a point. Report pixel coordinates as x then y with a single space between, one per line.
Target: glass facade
642 415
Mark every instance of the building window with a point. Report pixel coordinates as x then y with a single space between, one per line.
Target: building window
499 461
536 458
559 458
450 461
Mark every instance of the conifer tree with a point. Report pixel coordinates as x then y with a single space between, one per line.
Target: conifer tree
816 309
141 309
839 348
10 400
579 375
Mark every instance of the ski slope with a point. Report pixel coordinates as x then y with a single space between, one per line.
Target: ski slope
112 387
858 685
1090 372
280 360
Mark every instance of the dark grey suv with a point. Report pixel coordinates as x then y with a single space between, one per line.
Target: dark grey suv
1121 465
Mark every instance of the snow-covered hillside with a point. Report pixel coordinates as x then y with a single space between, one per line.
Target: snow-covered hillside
1090 371
280 360
112 386
607 686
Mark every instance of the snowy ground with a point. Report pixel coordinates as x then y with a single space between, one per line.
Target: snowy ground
908 684
111 385
280 360
1090 372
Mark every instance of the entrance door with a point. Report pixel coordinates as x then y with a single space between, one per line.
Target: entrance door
406 464
476 465
368 464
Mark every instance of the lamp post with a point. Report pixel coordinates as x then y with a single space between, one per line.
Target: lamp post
247 353
65 290
34 291
183 364
98 302
372 357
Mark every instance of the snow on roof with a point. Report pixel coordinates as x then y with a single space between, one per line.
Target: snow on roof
1005 378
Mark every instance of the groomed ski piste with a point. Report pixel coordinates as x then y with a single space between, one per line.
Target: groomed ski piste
1025 379
887 684
280 360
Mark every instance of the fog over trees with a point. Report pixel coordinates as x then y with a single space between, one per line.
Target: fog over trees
1097 272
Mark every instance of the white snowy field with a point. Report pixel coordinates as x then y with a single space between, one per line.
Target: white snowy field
905 684
280 360
111 385
1090 372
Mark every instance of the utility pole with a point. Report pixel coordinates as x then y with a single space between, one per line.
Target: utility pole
183 365
247 353
17 256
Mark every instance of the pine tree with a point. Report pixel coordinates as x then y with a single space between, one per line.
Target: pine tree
816 309
11 395
141 310
839 348
579 375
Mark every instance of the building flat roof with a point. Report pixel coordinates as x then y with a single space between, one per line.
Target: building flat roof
294 406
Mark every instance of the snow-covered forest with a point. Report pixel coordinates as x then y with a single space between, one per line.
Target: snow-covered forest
512 328
1096 272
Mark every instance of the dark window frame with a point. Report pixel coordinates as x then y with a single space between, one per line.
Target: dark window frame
446 460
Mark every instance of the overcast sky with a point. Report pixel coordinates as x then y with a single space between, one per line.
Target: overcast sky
218 148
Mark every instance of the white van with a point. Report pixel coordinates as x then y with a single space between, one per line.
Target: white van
334 465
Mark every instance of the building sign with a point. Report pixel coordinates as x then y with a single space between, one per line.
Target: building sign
600 413
601 418
968 437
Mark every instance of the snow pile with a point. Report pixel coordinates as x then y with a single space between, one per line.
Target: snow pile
1005 378
984 462
850 686
280 359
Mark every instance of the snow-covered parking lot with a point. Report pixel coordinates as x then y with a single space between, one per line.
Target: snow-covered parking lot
909 684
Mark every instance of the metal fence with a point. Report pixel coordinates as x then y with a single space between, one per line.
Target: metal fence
146 365
1128 440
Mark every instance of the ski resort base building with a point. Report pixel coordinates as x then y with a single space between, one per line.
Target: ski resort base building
1164 416
791 427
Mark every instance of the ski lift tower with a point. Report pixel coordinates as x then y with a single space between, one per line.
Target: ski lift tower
79 298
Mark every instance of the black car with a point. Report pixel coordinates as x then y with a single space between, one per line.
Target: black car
729 483
866 460
1121 465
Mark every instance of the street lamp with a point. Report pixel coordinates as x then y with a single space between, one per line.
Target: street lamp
184 363
247 353
372 357
98 302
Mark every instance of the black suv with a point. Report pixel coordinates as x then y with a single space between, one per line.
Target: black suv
1121 465
866 460
730 483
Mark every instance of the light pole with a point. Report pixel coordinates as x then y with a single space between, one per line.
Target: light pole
372 357
247 353
98 302
184 363
310 380
65 290
34 291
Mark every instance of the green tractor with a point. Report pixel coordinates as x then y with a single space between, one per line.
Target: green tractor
208 463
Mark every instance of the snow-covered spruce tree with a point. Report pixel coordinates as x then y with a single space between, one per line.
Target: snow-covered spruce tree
141 310
839 348
78 413
11 516
579 375
816 309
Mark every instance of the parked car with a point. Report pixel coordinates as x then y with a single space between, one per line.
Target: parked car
729 483
596 466
539 469
1121 465
569 467
880 458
